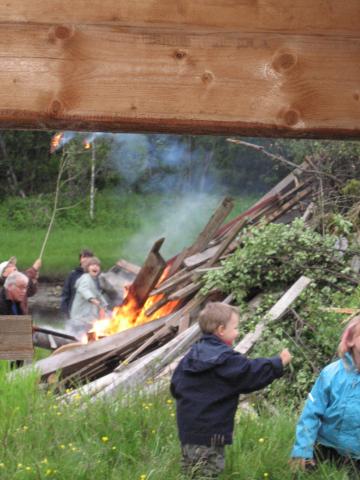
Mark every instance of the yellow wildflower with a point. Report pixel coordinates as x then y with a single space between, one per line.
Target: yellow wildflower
261 440
105 439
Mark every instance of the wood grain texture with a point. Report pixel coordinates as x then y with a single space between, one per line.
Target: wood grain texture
248 67
16 337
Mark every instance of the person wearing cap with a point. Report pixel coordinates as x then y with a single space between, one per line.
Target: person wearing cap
68 291
6 268
9 266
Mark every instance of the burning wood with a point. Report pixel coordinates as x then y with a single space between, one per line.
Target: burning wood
163 297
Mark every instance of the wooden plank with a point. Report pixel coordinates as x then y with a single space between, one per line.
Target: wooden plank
171 283
235 229
71 360
300 16
128 266
149 274
289 204
185 291
206 234
275 313
16 341
216 220
186 75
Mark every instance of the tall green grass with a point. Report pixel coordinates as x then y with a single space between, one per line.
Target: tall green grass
42 438
125 226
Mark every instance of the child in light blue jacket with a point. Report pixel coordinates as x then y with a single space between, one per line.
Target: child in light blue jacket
329 426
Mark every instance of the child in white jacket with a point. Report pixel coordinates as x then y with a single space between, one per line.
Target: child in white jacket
88 299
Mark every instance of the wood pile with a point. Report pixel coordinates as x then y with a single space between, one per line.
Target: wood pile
131 357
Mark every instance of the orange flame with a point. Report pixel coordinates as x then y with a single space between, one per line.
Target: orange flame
87 145
129 314
55 141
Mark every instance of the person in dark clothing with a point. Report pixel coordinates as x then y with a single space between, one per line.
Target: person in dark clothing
9 266
12 296
206 386
68 291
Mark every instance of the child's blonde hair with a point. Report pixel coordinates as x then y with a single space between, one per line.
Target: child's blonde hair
215 314
351 331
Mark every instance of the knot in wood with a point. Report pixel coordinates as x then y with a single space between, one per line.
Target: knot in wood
284 61
179 54
207 77
356 96
62 32
55 107
291 117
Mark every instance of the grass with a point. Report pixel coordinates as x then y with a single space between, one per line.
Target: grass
43 438
125 227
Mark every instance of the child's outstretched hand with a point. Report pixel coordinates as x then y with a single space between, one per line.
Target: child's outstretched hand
286 357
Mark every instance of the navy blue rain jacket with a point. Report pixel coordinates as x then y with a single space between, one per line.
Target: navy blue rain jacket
206 385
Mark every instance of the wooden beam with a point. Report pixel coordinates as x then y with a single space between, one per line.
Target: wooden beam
299 17
270 67
275 313
16 337
149 274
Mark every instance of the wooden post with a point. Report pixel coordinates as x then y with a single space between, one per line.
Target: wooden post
16 341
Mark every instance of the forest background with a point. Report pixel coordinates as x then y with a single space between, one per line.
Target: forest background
144 187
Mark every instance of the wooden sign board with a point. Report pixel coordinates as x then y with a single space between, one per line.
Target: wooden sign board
16 342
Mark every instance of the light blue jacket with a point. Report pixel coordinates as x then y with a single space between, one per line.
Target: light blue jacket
331 414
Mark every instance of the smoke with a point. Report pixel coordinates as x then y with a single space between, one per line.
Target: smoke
162 165
172 168
178 219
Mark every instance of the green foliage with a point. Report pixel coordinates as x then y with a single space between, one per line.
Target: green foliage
311 334
337 224
270 259
352 188
274 255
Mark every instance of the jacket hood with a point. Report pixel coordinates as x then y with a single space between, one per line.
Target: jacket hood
207 353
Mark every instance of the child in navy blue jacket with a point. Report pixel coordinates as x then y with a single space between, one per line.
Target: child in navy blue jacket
206 385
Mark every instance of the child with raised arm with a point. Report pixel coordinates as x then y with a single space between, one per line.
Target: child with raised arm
329 426
206 385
